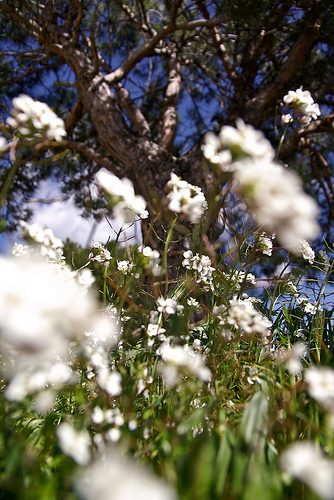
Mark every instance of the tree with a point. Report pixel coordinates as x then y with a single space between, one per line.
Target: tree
140 82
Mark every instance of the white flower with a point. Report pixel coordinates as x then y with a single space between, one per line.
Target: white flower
306 462
40 312
266 244
200 265
280 205
100 254
302 101
127 206
285 119
320 385
176 357
111 477
245 141
30 116
154 330
292 357
125 266
214 152
109 381
75 444
85 277
168 306
242 315
192 302
307 252
186 199
3 145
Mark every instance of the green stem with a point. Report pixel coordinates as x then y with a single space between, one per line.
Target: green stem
165 255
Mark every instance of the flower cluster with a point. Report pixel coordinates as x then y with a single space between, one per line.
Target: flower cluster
31 117
178 358
242 315
185 198
200 265
100 254
41 312
265 244
302 102
127 206
307 252
306 462
151 259
274 194
236 143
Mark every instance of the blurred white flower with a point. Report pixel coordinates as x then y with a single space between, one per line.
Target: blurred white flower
3 145
111 477
75 444
109 381
320 385
40 311
245 141
85 277
292 357
306 462
127 206
280 205
153 257
178 357
287 118
30 117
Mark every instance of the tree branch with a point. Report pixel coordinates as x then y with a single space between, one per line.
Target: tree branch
148 48
169 116
136 117
257 108
91 154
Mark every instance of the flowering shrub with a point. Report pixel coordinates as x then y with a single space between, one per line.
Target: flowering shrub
122 379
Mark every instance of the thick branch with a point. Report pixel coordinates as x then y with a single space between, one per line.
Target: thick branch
136 117
91 154
324 124
169 116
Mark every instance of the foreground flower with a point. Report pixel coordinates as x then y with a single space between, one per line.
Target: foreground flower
320 385
75 444
280 205
31 117
42 313
236 143
111 477
127 206
305 461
